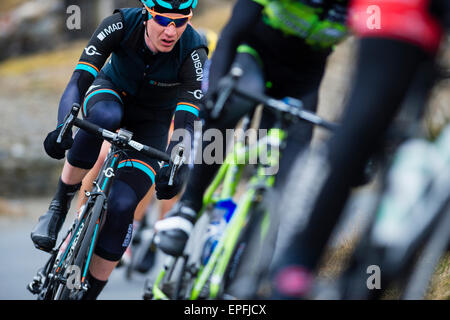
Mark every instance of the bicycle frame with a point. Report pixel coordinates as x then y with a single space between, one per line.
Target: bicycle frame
403 229
228 177
101 188
94 209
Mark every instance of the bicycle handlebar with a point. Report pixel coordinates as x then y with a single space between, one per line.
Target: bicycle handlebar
228 86
123 138
284 107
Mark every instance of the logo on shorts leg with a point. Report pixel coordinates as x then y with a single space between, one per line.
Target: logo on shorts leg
127 240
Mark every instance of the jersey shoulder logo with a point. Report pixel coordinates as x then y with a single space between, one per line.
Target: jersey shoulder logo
110 29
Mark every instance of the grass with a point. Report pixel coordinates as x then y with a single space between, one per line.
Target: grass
46 72
6 5
440 283
335 260
215 18
35 62
50 71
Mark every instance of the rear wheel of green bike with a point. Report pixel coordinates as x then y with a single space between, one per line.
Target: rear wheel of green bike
252 255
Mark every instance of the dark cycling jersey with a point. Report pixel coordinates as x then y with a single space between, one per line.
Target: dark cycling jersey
277 58
161 81
137 90
298 34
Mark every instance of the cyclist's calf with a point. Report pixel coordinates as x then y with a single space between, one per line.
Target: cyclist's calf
117 231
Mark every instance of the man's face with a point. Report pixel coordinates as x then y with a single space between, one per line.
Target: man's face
163 39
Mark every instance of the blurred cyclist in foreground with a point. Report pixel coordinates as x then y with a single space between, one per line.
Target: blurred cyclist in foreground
390 55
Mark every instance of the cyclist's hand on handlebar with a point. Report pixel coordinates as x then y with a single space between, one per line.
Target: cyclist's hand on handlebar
216 98
163 189
54 149
207 104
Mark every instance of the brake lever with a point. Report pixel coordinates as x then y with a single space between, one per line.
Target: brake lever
68 122
177 163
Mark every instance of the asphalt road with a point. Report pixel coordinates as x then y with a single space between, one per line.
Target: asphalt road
20 260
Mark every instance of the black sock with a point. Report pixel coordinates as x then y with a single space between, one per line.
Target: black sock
95 287
66 192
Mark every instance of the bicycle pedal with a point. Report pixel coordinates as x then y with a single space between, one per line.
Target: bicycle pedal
34 287
168 288
148 295
43 249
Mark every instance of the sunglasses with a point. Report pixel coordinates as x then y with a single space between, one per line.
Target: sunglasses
165 20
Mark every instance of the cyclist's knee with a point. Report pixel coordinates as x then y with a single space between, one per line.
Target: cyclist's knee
138 175
106 114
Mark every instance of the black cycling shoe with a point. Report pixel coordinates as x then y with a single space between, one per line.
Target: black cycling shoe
174 230
46 231
173 242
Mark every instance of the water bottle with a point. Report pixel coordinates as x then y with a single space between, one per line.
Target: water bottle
220 217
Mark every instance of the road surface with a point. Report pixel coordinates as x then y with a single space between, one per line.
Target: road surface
20 260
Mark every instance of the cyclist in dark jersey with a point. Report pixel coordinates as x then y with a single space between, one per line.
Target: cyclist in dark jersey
282 43
389 58
155 68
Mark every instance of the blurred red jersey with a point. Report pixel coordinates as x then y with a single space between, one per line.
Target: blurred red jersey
406 20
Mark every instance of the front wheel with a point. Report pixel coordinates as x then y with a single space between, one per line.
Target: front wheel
75 285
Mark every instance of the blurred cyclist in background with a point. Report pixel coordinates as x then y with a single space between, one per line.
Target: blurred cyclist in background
390 56
282 47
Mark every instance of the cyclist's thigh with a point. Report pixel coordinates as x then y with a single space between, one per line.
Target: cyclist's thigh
135 176
138 170
101 90
103 106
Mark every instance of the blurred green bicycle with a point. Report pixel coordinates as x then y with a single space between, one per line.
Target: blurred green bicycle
187 277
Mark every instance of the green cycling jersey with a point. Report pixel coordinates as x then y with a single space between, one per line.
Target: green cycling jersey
320 26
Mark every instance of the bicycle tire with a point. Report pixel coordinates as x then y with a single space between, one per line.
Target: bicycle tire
177 282
252 256
48 267
53 286
60 292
